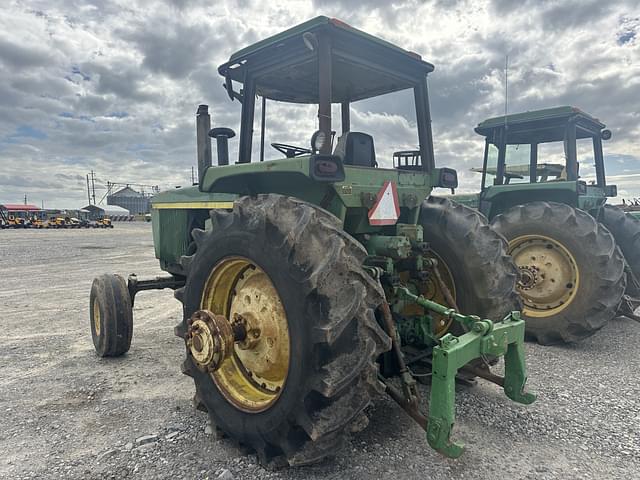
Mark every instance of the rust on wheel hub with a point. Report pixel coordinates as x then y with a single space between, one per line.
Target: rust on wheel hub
209 339
528 277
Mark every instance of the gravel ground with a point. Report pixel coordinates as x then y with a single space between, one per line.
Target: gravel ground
65 413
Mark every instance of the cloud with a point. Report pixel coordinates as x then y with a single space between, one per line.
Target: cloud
113 86
171 48
14 55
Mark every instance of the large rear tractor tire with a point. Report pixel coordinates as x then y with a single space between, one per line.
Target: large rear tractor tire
571 272
298 383
472 259
625 228
110 315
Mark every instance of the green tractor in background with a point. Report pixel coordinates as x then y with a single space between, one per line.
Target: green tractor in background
310 280
544 188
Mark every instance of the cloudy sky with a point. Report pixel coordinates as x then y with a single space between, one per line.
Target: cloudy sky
112 86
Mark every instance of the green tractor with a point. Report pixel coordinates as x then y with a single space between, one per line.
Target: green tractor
544 189
308 281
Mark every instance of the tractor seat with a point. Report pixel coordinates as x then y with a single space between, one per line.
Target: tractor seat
356 148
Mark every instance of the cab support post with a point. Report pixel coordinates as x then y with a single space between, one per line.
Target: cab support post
324 90
246 121
423 114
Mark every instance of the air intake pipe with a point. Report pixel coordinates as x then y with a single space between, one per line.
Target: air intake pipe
203 125
222 136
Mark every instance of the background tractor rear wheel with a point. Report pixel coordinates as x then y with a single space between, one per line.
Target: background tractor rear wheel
625 228
482 276
300 381
110 315
571 271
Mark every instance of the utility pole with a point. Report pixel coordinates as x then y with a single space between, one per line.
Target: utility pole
93 186
88 191
193 178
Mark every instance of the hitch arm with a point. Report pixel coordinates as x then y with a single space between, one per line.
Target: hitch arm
453 353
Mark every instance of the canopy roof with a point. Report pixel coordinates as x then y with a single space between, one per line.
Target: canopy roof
541 126
20 207
115 210
285 66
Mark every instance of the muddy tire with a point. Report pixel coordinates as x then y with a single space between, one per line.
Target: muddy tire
329 303
571 272
625 228
110 315
483 274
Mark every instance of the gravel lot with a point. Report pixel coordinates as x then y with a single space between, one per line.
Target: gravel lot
65 413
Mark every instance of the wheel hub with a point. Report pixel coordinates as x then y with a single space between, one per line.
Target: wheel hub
549 274
528 277
96 316
248 357
209 339
257 306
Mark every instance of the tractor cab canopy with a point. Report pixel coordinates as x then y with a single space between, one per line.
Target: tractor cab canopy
515 146
540 126
325 61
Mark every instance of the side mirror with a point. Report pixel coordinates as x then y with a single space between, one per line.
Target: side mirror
605 134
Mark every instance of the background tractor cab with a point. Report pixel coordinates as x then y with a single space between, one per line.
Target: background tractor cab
553 155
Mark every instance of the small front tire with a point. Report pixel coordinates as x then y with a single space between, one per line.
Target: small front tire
110 315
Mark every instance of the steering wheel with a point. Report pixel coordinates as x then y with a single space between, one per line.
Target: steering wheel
290 151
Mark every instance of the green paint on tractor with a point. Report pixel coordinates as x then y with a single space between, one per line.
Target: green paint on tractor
309 281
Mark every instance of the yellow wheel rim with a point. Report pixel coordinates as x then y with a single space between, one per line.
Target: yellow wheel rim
253 377
96 316
431 290
549 275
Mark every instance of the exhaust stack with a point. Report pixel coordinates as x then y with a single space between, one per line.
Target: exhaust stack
203 125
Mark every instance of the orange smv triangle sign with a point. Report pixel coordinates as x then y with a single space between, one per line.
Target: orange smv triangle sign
386 210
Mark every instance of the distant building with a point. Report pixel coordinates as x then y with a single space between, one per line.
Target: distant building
113 211
135 202
21 210
95 212
19 207
116 212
